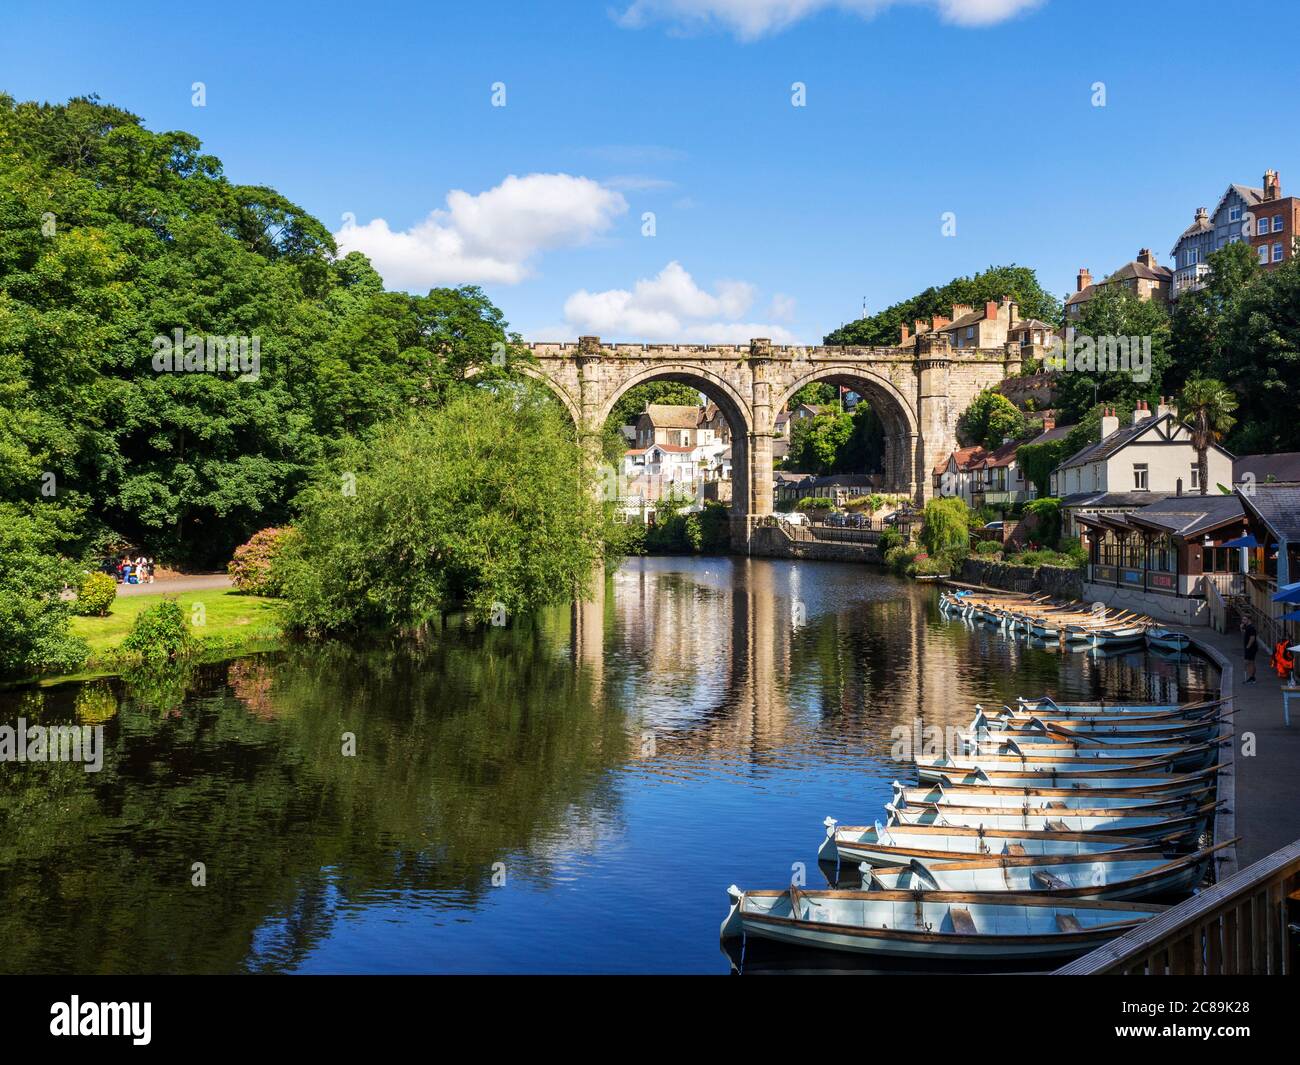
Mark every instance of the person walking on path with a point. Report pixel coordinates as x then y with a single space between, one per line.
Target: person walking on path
1251 649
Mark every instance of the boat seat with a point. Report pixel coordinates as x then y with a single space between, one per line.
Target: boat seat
1047 880
1016 849
1067 922
1057 826
962 921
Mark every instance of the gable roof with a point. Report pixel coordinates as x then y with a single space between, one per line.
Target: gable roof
672 416
1122 437
1048 435
1000 456
965 458
1277 506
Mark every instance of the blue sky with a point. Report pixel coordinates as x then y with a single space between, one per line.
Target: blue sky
769 219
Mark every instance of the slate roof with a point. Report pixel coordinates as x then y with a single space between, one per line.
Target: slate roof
1189 515
1278 506
1112 499
1284 466
1048 435
1103 449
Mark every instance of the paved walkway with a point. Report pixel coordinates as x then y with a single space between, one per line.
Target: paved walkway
197 582
1267 784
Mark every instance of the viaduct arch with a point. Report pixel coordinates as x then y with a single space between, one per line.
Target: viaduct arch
918 390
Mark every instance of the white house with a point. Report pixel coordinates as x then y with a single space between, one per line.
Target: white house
1130 467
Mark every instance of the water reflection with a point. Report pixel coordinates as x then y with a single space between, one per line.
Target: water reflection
571 794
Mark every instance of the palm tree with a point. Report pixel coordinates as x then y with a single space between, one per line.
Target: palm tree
1206 405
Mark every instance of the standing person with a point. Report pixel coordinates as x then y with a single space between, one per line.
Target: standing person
1251 649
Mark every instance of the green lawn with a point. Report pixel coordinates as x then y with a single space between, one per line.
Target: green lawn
230 619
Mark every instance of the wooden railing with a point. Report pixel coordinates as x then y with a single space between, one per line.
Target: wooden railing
1217 607
1247 924
1224 583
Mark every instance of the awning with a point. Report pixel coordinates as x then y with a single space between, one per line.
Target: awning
1242 541
1288 593
1293 615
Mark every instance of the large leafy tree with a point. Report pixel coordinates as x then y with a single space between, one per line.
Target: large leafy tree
1115 314
990 419
1243 329
484 502
1017 282
112 236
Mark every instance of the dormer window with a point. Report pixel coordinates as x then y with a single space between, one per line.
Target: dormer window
1234 214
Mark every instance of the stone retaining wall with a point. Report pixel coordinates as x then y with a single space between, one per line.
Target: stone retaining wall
1054 580
770 541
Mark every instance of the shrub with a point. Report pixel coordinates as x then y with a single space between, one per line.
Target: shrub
889 539
160 632
815 503
946 525
95 596
900 558
988 547
1042 522
34 633
252 567
930 567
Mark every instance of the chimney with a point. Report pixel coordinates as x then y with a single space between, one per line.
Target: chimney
1084 279
1147 258
921 326
1202 215
991 311
905 334
1141 412
939 321
1165 406
958 309
1272 185
1049 422
1109 422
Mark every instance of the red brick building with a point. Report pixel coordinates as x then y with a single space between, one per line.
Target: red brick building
1277 223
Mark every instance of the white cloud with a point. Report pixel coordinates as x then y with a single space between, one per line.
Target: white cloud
670 307
751 19
781 308
492 237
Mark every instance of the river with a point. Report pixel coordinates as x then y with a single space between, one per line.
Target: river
569 794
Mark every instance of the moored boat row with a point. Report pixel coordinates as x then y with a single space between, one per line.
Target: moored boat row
1070 624
1051 829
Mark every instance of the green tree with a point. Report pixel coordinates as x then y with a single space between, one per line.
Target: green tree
990 419
997 282
1115 314
815 443
1206 405
945 528
34 618
483 503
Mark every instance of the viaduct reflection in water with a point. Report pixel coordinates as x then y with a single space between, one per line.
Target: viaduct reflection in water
503 810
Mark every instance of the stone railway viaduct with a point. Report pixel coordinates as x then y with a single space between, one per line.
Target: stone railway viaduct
918 391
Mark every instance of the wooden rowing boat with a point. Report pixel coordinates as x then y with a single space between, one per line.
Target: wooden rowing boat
1115 875
1078 761
938 926
1124 821
898 844
979 785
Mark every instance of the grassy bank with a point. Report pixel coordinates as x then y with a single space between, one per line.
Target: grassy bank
231 622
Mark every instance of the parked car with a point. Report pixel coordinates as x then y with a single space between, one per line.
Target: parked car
795 517
994 526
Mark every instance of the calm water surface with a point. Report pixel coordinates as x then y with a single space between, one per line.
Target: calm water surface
570 795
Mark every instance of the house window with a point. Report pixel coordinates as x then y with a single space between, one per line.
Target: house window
1277 223
1277 253
1234 214
1139 476
1263 253
1196 477
1193 256
686 439
970 332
